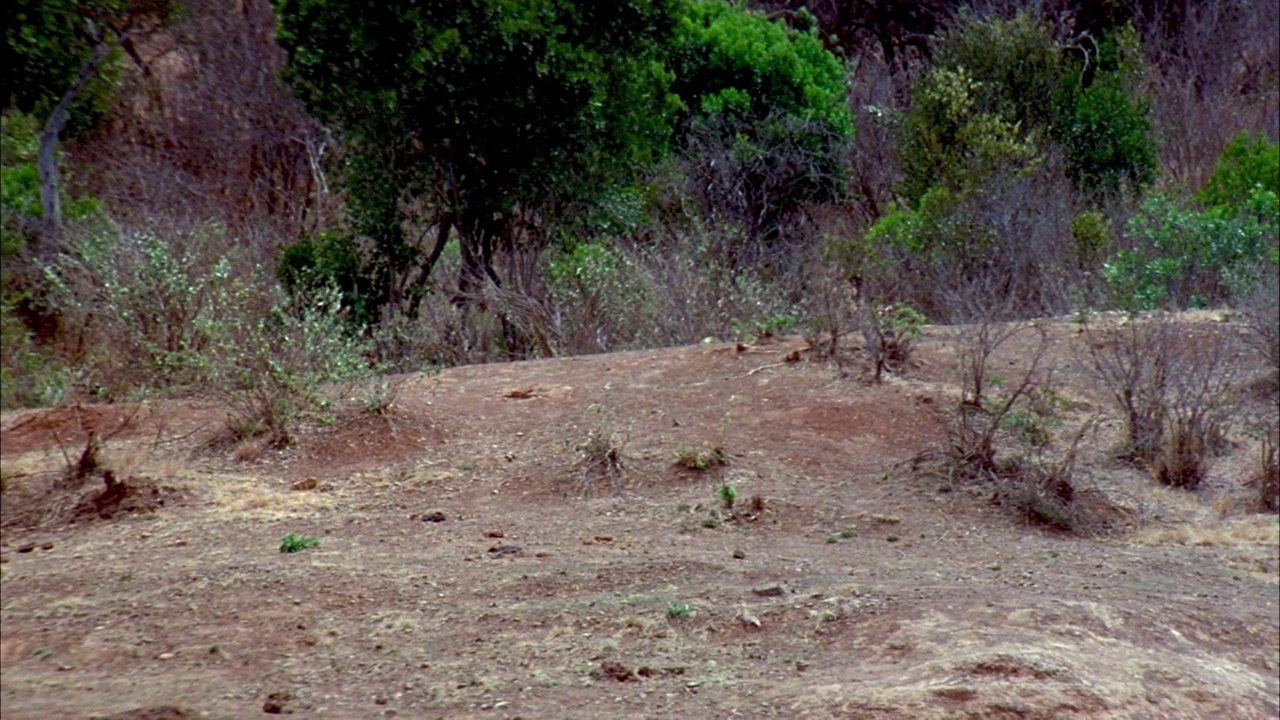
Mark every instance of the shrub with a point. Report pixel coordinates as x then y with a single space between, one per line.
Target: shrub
1093 239
599 298
1246 163
294 543
1171 384
765 124
949 141
1103 122
183 311
987 403
1185 257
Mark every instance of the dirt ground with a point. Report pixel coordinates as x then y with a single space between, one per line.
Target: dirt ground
471 565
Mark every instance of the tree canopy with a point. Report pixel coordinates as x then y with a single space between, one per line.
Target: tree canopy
479 109
492 116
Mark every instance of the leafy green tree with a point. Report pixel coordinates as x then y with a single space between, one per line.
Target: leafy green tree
764 122
1101 117
1002 87
483 117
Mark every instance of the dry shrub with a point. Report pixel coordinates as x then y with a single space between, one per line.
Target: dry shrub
1262 319
1001 433
1212 69
205 128
599 456
190 311
1172 383
986 405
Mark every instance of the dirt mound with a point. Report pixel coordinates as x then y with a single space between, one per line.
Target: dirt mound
63 499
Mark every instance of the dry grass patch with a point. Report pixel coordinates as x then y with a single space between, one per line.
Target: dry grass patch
252 498
1233 532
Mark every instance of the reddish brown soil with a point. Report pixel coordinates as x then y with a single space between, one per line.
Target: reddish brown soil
472 566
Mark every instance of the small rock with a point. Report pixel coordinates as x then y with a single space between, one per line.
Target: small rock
801 666
181 543
771 591
307 484
47 546
504 550
165 656
433 516
739 555
28 547
494 533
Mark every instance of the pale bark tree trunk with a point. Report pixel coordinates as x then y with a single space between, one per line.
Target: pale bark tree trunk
47 159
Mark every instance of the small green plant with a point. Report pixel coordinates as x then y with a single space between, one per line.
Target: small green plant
893 538
831 540
710 523
728 495
1028 428
294 543
762 329
679 611
848 533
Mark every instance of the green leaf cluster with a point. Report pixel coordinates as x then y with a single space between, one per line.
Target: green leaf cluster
1002 92
739 64
1188 257
1247 163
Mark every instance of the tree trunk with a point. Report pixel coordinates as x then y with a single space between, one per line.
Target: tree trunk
47 159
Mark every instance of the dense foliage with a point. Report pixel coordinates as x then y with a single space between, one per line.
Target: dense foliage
486 113
454 182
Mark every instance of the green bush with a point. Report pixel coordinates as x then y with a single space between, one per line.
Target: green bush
947 140
178 312
765 124
1093 239
1002 92
599 297
1245 164
332 259
1186 257
1103 124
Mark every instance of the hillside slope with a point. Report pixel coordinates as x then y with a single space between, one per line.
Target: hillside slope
473 563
